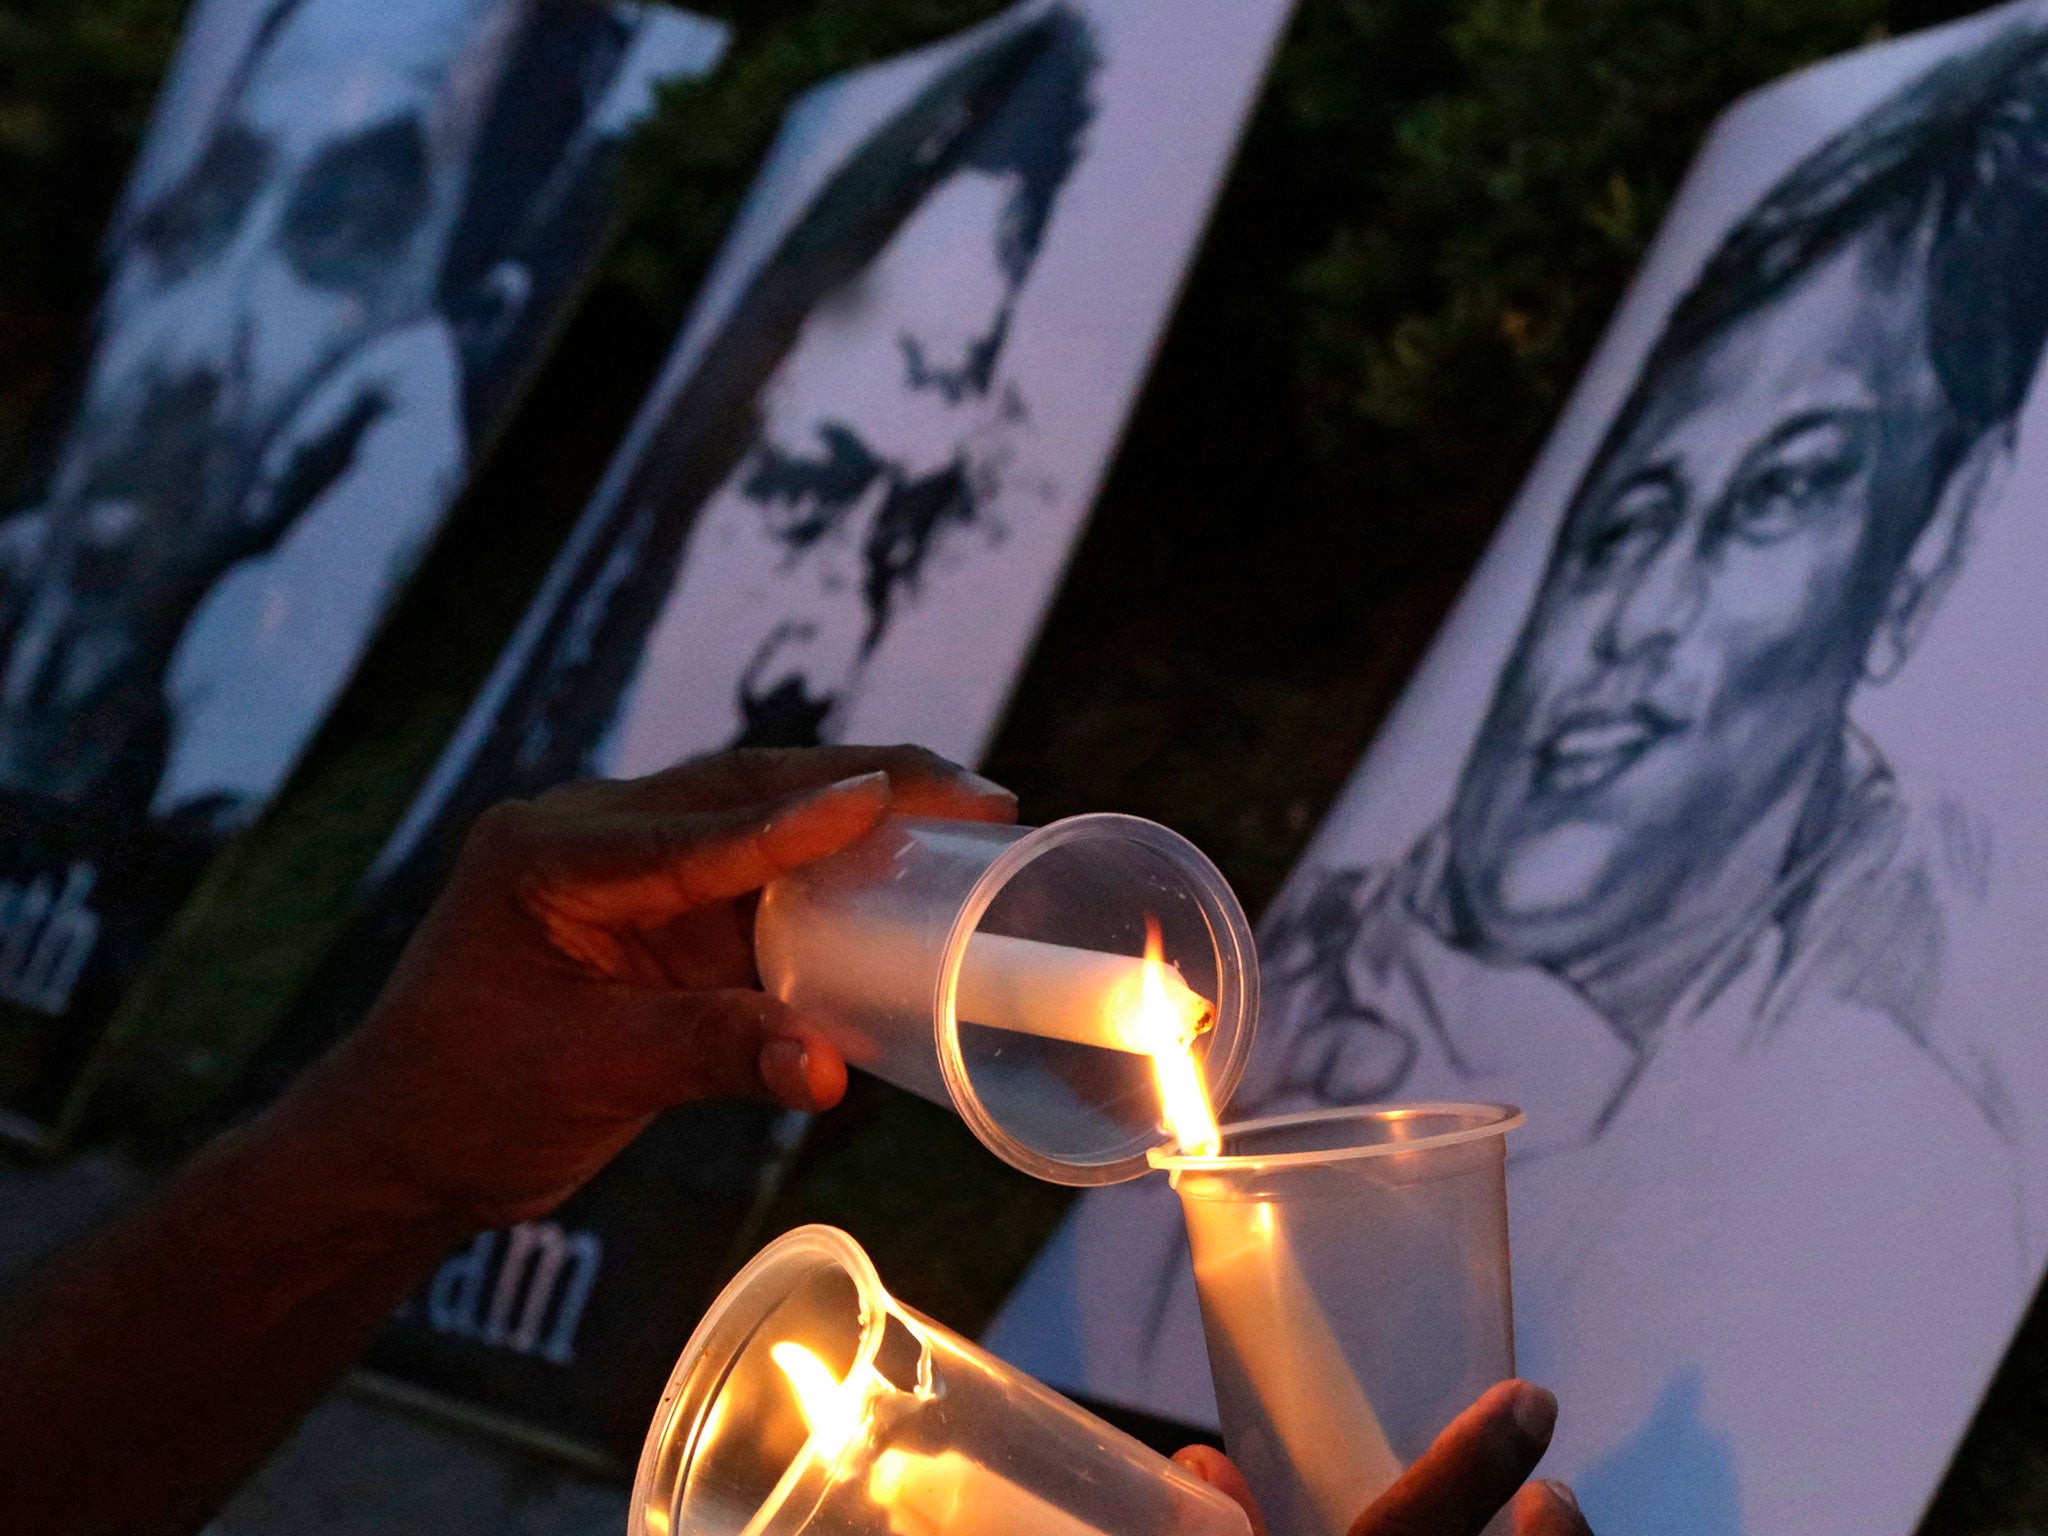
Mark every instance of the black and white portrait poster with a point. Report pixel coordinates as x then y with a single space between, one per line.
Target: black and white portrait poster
847 503
840 516
1713 832
348 235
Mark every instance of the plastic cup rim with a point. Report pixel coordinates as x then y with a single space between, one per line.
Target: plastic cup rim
1498 1120
1221 903
727 1328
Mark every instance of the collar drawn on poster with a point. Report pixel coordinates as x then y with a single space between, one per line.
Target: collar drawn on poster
1668 787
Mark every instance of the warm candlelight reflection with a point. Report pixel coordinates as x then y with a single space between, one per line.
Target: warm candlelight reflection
948 1494
832 1411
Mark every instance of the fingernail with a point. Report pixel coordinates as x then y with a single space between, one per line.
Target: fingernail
785 1068
975 783
1561 1493
879 779
1535 1413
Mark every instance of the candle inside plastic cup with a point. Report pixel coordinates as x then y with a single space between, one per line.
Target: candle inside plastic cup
1021 975
1352 1266
810 1400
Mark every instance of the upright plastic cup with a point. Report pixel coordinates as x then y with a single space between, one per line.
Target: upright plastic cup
911 1430
990 967
1352 1266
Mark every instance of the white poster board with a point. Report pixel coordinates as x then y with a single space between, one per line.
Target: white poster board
1712 832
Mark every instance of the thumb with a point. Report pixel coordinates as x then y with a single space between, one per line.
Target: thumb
733 1043
1211 1466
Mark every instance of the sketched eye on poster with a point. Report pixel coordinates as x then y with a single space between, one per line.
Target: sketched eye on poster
1712 833
840 516
349 234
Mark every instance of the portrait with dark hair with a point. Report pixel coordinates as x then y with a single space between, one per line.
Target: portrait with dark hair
1681 904
348 236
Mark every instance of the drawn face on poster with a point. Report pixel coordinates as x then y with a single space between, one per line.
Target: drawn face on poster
1670 757
887 436
1679 904
855 489
339 258
226 390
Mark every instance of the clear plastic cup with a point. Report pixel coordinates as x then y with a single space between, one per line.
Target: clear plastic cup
985 967
912 1431
1352 1266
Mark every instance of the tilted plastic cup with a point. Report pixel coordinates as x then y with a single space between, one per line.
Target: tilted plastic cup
986 966
1352 1266
910 1430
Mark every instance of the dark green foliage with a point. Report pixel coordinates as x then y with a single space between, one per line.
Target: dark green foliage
76 82
690 168
1515 201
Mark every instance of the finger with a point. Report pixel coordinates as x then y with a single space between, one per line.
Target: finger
1547 1507
1471 1470
803 1072
924 783
1211 1466
645 868
730 1044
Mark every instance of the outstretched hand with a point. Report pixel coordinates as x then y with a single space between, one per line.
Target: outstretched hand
1478 1466
590 964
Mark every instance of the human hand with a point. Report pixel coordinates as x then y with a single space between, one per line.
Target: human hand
1475 1468
589 964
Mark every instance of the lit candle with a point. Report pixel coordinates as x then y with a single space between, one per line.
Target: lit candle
946 1494
1254 1295
1082 995
1252 1290
1026 986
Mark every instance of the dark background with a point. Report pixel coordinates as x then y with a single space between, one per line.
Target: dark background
1437 206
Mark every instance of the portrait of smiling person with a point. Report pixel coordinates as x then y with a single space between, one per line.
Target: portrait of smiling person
349 235
1737 840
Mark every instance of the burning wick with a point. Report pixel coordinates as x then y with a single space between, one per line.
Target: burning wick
1162 1018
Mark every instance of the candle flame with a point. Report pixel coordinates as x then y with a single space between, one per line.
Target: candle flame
831 1413
1183 1097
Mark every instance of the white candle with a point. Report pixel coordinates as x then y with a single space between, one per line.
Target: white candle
1082 995
951 1494
1253 1295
